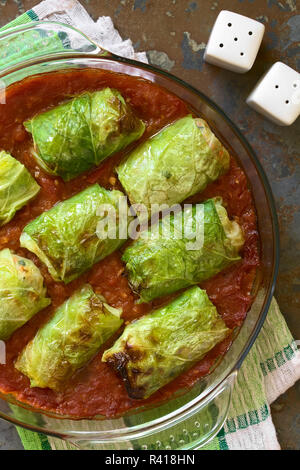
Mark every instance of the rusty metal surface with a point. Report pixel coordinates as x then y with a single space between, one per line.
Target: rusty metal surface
175 32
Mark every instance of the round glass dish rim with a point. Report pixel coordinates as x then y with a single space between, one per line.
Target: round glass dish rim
192 407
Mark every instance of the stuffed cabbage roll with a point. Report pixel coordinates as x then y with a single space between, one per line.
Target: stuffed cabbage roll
17 187
158 347
71 338
183 249
22 292
66 237
81 133
176 163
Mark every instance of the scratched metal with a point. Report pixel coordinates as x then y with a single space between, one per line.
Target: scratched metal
175 32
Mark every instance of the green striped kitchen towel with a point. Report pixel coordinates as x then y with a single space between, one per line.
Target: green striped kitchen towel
273 364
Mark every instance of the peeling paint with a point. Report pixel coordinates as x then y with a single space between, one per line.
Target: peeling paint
191 7
293 51
192 52
193 44
160 59
294 24
262 18
20 5
292 4
137 45
274 41
289 5
141 4
118 10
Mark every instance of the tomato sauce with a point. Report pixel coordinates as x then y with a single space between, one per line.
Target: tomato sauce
95 389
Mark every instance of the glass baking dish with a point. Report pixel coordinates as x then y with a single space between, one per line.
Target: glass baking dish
192 418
